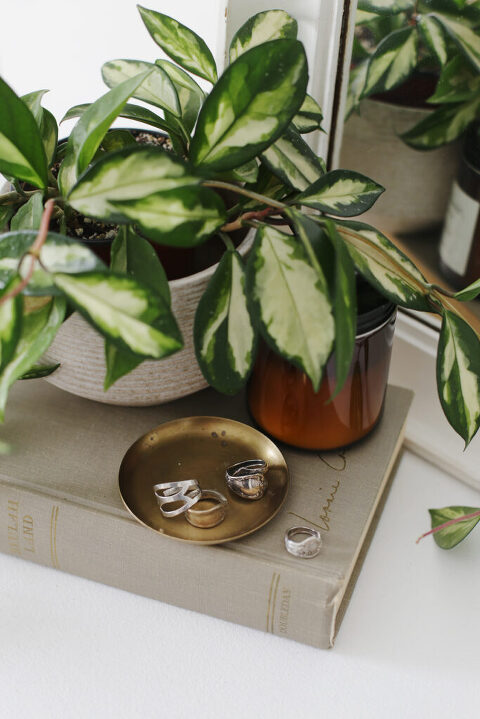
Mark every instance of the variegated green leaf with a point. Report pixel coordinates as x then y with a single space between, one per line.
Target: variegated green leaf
129 174
90 130
129 314
33 100
6 213
308 233
244 173
294 312
341 192
10 321
22 154
345 309
467 39
449 537
432 34
116 140
387 7
384 266
292 160
268 185
392 62
190 94
260 28
59 254
38 371
29 215
362 17
183 217
442 126
224 334
38 330
180 43
458 375
133 256
130 111
458 82
356 86
49 133
156 88
309 117
233 127
469 293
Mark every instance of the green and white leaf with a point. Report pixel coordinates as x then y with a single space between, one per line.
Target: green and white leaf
29 215
458 375
244 173
130 111
190 94
90 130
38 330
22 154
458 82
392 62
224 333
387 7
449 537
293 161
49 133
59 254
309 117
33 100
129 314
356 85
133 256
432 34
38 371
469 293
10 322
442 126
260 28
182 217
180 43
116 140
6 213
385 266
129 174
293 310
341 192
466 38
345 309
234 127
156 88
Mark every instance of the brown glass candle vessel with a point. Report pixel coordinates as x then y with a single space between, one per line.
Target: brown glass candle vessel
281 396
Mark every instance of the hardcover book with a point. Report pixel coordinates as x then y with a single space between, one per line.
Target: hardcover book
60 506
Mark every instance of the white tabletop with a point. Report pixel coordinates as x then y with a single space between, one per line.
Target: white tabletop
408 646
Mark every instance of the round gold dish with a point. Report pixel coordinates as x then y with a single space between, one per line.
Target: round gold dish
201 448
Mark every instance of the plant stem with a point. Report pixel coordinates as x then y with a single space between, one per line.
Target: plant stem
220 185
240 221
443 291
34 251
463 518
227 241
11 198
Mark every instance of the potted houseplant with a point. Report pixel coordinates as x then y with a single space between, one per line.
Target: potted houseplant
297 290
414 87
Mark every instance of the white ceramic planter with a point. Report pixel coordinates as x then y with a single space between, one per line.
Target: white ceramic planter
417 182
80 351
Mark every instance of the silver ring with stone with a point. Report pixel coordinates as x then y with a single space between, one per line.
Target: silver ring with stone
247 479
186 491
305 548
208 517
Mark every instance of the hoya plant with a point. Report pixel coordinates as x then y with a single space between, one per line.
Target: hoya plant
296 290
396 39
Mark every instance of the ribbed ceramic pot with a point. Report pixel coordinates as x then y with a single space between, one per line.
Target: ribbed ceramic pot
80 352
417 182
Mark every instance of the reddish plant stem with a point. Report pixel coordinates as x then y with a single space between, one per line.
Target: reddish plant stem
254 215
449 524
34 252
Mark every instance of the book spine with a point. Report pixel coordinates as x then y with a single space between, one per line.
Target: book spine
118 551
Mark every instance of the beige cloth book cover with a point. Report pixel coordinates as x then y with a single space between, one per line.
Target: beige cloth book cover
60 506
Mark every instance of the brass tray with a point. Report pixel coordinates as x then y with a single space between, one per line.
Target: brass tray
201 448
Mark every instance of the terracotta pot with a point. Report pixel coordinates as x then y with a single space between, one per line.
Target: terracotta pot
80 351
417 182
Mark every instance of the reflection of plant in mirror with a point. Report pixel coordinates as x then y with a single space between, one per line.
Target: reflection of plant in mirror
395 39
297 289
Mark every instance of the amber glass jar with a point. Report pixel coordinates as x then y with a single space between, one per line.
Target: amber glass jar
282 400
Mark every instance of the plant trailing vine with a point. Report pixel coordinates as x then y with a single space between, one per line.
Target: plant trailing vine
244 136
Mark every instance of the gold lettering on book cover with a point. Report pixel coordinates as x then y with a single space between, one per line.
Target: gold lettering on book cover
53 536
28 535
272 599
285 597
12 527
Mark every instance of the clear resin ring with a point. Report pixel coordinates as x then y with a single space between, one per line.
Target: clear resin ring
247 479
210 510
305 548
186 492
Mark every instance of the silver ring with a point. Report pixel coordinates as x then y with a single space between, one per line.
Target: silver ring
209 516
186 491
247 478
306 548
